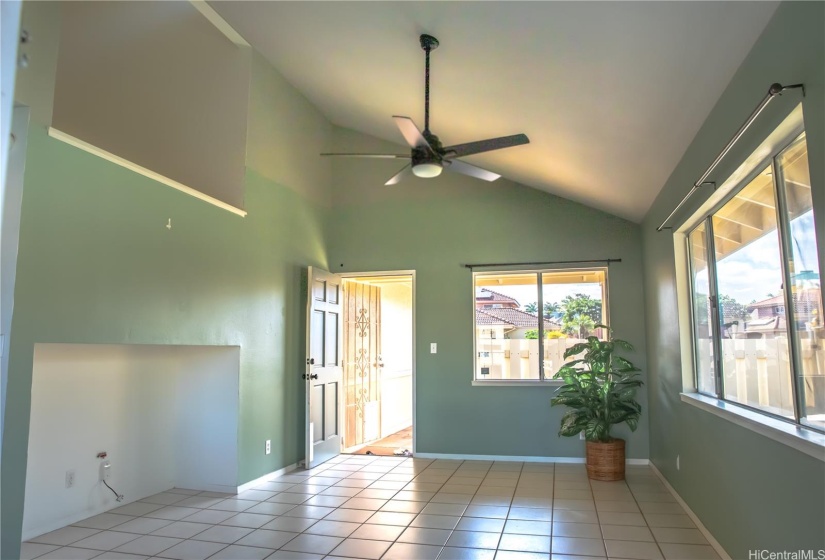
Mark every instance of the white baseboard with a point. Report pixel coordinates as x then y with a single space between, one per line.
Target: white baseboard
516 458
265 478
704 530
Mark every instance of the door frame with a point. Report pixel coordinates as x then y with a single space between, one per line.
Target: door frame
411 274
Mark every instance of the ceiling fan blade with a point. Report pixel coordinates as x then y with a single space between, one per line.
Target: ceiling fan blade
490 144
411 133
407 170
382 156
471 170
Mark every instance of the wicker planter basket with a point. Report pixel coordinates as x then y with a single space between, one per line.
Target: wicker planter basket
605 461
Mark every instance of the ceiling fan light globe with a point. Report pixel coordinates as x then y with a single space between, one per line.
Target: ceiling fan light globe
427 170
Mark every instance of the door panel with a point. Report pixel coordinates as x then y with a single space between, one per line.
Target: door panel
323 371
362 362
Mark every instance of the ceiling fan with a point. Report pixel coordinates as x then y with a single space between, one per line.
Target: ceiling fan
428 157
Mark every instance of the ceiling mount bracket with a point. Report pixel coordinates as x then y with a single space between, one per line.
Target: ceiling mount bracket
428 42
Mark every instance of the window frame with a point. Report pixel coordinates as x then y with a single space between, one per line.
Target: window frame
705 217
538 272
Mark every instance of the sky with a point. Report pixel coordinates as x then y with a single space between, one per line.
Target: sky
753 272
552 293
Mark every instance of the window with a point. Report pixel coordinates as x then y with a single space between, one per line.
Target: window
513 341
757 301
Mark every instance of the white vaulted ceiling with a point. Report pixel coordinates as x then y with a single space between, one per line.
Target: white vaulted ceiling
610 93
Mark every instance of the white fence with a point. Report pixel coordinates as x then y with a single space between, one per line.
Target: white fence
519 358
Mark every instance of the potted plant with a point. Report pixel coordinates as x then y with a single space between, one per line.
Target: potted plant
600 391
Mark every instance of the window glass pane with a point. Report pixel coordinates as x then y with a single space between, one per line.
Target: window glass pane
574 303
506 324
702 317
803 267
755 357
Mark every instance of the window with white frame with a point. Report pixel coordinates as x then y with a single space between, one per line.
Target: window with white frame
513 340
757 313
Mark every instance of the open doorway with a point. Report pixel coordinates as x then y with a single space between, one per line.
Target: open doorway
379 371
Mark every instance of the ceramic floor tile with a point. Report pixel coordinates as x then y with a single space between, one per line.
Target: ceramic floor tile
341 492
314 544
485 525
287 555
256 495
71 553
181 529
357 548
524 543
372 504
103 521
661 507
199 502
265 538
136 509
112 555
211 516
531 514
290 524
403 506
407 551
327 501
577 557
679 536
494 512
573 516
435 521
618 506
669 520
333 528
420 535
233 504
105 540
688 551
172 512
143 525
528 527
251 520
148 545
290 498
223 534
575 505
515 555
311 512
636 550
454 553
378 532
29 550
447 498
270 508
392 518
614 518
473 539
65 536
237 552
443 509
351 515
626 533
192 550
164 498
578 530
584 547
408 495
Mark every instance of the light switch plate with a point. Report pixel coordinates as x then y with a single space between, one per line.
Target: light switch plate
433 347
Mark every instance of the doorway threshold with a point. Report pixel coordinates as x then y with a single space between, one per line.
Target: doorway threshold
392 445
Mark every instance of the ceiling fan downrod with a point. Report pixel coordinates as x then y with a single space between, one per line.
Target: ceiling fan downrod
428 43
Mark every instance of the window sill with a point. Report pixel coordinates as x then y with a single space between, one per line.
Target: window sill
515 383
802 439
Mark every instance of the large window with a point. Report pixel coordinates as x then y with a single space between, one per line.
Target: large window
757 300
524 321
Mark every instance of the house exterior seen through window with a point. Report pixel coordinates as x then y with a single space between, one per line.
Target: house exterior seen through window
514 341
757 309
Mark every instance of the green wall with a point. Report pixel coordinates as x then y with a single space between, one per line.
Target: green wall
435 226
751 492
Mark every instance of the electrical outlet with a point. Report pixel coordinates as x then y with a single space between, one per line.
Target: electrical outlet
581 435
69 479
268 446
433 347
678 467
105 471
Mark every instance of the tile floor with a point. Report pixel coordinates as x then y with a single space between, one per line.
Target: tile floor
392 508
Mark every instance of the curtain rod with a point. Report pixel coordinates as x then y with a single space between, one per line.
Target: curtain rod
591 261
773 91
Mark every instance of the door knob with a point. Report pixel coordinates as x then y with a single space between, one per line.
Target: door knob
311 376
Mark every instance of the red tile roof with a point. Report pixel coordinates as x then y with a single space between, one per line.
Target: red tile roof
512 317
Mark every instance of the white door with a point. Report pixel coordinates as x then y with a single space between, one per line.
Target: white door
324 374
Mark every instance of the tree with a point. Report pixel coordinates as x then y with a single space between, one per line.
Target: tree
732 310
550 308
532 308
581 313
